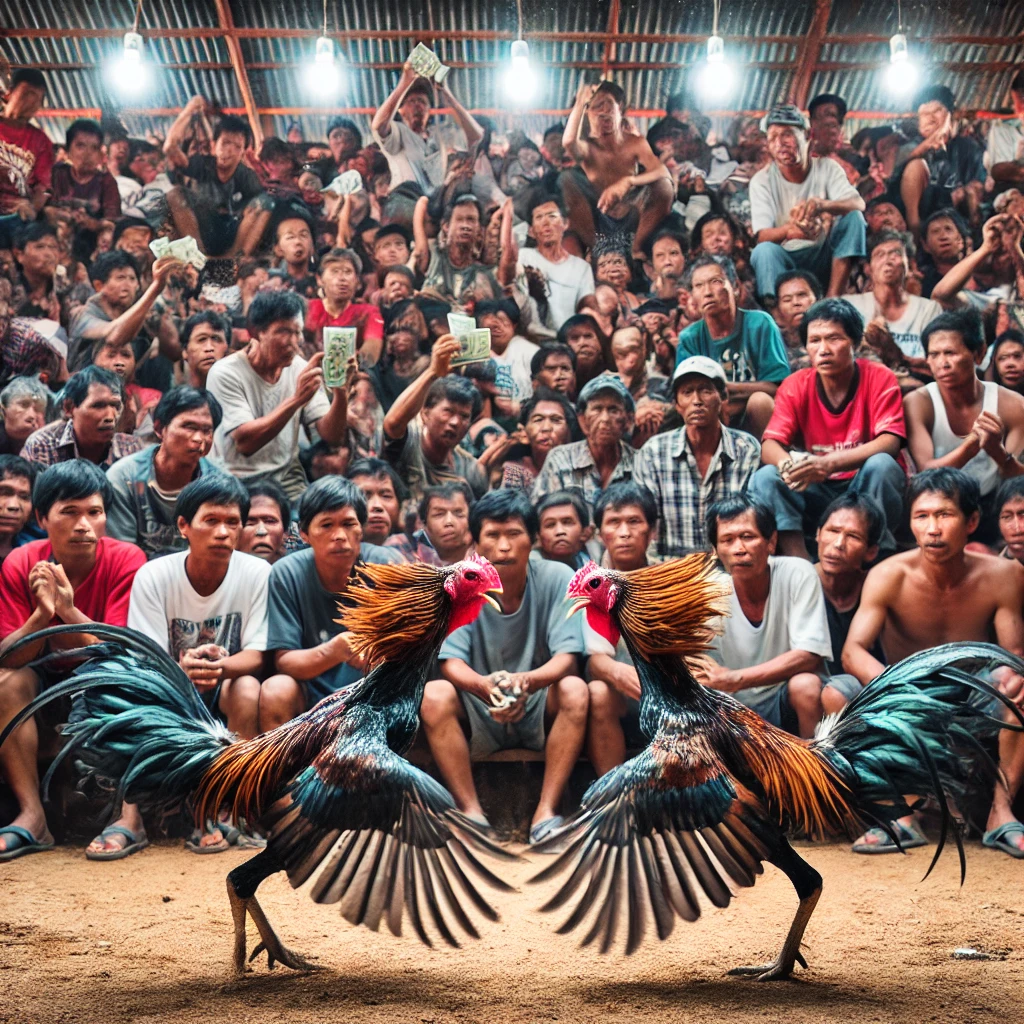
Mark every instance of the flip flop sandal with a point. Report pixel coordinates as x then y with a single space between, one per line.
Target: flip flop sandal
237 837
24 843
997 839
544 828
193 843
136 843
910 838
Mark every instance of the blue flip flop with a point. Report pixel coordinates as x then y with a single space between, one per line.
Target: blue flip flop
544 828
26 843
998 839
137 841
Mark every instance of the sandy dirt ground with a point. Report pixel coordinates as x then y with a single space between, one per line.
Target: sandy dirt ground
83 942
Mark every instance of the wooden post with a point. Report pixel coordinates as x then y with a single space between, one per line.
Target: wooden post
810 53
227 26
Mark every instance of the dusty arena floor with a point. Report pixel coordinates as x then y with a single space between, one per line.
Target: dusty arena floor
83 942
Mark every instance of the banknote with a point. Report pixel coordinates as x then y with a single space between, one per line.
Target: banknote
427 63
459 324
339 348
475 347
184 249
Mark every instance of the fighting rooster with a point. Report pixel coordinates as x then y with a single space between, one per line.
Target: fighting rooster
332 779
717 789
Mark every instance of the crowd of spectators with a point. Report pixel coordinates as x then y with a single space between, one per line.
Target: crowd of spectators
801 351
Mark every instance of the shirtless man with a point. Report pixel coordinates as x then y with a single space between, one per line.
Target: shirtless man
938 594
618 171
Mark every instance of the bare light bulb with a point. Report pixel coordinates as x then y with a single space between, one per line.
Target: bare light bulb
520 81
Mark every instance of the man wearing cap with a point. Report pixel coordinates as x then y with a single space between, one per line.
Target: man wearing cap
415 150
699 463
606 410
837 426
804 212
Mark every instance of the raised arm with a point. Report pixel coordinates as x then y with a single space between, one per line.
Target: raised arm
381 123
950 286
179 132
408 404
420 241
571 137
463 118
509 256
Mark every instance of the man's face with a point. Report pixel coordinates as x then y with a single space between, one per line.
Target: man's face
447 422
75 526
557 373
668 258
281 341
501 327
294 242
391 250
263 533
343 144
553 147
396 287
1009 360
712 291
787 146
605 114
447 523
1011 526
698 401
950 361
22 416
741 547
561 533
120 288
145 167
15 504
24 101
118 358
716 238
95 420
613 269
604 420
826 129
584 342
205 346
135 241
654 323
625 534
884 217
939 527
383 509
189 436
942 241
829 348
335 538
792 300
228 150
332 463
415 110
932 117
464 225
628 351
85 153
546 427
39 258
843 542
214 532
547 224
889 264
505 545
339 281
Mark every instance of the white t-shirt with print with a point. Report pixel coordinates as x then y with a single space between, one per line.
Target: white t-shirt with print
568 282
517 357
906 331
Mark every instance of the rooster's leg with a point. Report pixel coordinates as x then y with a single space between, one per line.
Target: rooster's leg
807 883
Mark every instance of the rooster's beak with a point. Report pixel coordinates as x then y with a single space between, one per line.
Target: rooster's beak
578 605
490 600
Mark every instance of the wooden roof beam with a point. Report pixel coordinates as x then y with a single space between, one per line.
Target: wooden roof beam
810 53
609 47
227 26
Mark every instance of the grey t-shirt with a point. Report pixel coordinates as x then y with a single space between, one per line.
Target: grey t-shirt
301 612
406 455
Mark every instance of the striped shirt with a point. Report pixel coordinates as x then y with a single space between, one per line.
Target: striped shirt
572 465
56 442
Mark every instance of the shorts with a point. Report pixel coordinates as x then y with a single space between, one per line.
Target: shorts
849 686
218 231
488 736
772 704
211 700
606 226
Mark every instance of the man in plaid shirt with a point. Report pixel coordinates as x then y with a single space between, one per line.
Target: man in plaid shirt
699 463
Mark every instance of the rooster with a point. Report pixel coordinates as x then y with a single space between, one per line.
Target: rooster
332 779
717 789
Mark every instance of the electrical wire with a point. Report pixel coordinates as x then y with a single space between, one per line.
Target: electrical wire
325 17
519 17
714 26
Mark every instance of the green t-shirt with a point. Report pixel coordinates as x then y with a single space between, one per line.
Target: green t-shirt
754 351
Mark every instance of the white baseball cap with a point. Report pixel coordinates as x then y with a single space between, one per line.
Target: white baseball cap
701 365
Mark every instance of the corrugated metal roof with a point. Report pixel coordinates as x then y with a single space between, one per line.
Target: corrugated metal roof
751 28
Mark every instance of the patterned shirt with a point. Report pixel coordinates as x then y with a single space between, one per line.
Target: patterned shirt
572 465
666 466
56 442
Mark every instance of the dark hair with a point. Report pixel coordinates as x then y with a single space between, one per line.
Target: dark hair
946 213
545 394
231 125
466 199
615 91
624 493
344 122
328 494
491 307
211 489
540 357
396 268
268 489
454 389
33 231
954 484
444 492
1012 336
107 262
1016 83
668 231
566 496
31 76
69 481
965 322
837 311
577 320
828 97
888 235
728 509
874 517
936 94
799 275
393 229
1008 489
76 391
123 224
82 126
707 259
709 218
500 507
293 213
16 466
207 316
184 399
663 129
540 196
269 307
376 469
274 148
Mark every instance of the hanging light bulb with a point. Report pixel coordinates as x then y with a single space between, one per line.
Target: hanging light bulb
715 77
128 73
323 76
520 80
901 74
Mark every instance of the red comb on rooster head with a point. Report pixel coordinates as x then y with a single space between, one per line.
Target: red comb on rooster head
469 584
596 590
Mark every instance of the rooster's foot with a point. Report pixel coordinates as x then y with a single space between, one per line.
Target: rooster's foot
779 970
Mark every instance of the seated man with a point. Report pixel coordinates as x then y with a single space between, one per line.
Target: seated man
554 366
444 537
606 417
268 392
961 422
944 241
512 353
626 517
581 334
205 338
939 593
24 403
148 483
530 651
426 425
686 469
1004 149
308 642
76 575
294 248
16 479
795 292
563 528
93 401
268 522
770 654
81 190
745 341
383 492
447 269
804 212
837 426
339 282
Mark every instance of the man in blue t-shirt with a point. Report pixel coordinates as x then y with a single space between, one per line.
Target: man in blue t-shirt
746 342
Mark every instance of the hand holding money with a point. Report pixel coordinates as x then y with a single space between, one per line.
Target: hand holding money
474 342
184 249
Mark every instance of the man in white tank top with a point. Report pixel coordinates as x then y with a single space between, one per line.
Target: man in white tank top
961 422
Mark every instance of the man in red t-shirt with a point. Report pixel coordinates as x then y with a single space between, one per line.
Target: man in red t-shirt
339 279
837 426
76 575
26 154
